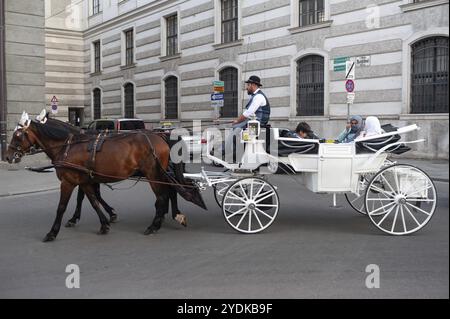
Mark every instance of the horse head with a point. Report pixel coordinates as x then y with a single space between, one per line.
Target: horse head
22 141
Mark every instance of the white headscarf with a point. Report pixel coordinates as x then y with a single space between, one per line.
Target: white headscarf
373 126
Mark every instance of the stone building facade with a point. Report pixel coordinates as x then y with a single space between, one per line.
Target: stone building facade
157 59
23 75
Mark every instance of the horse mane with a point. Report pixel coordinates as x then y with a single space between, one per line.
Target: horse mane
52 131
63 125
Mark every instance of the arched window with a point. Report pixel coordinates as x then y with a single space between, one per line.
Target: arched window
310 85
171 97
229 75
429 75
97 107
129 100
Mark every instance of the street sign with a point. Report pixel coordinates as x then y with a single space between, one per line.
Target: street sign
217 103
54 105
350 98
363 60
339 64
217 96
219 86
350 67
350 86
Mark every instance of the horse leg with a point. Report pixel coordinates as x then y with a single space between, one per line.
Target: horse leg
77 215
162 208
90 193
176 214
112 214
66 192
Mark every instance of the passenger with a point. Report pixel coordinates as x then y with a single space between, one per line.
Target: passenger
304 131
372 127
352 131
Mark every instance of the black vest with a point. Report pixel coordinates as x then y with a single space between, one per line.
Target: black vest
263 112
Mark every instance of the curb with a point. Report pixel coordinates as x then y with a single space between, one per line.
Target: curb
44 190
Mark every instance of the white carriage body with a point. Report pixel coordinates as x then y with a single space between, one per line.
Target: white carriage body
335 168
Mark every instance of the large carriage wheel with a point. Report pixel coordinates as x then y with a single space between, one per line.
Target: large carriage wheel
250 205
400 199
357 201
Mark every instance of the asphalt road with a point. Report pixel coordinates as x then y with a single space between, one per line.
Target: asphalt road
311 251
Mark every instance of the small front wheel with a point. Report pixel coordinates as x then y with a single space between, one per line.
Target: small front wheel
250 205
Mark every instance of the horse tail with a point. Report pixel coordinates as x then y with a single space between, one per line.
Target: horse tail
186 188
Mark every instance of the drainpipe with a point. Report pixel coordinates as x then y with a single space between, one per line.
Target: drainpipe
3 108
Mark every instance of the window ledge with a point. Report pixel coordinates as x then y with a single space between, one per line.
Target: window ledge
422 5
95 73
170 57
126 67
425 116
321 25
219 46
95 15
310 118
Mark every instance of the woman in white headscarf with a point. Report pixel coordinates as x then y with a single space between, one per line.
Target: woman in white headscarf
372 127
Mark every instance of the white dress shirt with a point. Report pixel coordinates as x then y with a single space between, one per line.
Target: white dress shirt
258 101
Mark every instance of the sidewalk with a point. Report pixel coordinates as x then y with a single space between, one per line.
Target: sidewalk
15 180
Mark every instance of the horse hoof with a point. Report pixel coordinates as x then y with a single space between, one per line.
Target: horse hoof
104 230
149 231
180 218
70 224
49 237
113 219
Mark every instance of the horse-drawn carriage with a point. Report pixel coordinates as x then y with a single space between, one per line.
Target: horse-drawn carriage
399 199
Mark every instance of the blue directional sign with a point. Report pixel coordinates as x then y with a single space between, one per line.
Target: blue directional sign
217 97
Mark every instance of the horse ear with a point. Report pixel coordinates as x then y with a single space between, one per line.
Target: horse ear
23 119
42 117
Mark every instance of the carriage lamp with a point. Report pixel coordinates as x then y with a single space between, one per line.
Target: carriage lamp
253 129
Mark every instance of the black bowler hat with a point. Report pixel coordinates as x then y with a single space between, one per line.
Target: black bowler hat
254 79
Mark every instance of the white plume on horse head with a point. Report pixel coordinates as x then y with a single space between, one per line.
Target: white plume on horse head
42 117
24 120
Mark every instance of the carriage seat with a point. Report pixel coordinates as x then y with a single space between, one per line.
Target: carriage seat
288 145
378 142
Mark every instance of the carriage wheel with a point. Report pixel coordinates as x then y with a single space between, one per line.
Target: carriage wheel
400 199
250 205
357 201
219 191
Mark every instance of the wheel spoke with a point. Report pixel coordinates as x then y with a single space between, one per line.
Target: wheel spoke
419 209
242 218
251 191
420 190
395 218
403 218
243 191
235 204
376 188
382 207
236 213
250 221
386 181
257 218
260 190
267 215
386 215
265 196
267 205
236 196
397 183
412 215
419 200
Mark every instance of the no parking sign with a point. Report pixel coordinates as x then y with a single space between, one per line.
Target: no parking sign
54 104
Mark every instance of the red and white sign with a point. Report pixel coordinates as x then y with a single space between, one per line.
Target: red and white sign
54 104
350 86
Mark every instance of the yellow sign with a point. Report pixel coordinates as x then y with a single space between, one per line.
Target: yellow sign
219 89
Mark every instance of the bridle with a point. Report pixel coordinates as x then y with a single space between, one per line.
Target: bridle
19 152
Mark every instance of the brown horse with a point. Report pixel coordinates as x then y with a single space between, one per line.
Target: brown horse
71 129
122 156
